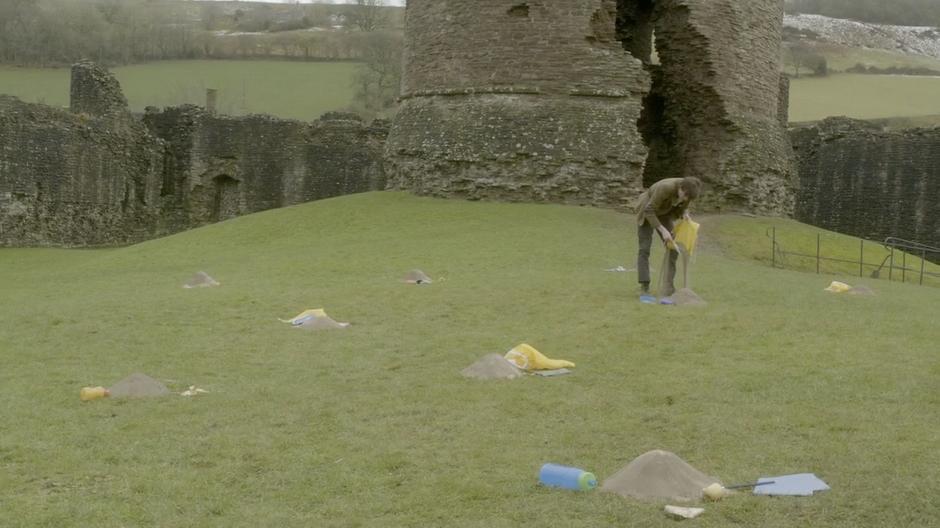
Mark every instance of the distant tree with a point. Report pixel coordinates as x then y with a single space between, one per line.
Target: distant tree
802 57
368 15
211 16
378 80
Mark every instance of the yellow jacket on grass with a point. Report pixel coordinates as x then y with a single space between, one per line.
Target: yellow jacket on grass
528 358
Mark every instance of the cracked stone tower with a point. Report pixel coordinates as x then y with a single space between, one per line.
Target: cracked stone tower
590 101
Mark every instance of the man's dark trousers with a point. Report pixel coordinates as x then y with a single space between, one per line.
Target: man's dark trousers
645 236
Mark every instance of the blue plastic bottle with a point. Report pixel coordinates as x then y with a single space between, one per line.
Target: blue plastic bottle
556 476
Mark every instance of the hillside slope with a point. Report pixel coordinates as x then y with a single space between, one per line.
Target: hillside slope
918 40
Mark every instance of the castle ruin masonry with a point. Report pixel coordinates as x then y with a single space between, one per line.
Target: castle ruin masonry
562 101
97 175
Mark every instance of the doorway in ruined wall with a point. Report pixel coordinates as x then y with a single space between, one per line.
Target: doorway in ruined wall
680 108
226 201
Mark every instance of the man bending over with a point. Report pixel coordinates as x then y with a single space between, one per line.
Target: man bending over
658 208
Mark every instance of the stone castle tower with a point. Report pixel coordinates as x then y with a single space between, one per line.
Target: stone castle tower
590 101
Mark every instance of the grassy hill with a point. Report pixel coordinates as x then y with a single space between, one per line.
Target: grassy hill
373 425
294 90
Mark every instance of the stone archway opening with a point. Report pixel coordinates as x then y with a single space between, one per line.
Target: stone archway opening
226 203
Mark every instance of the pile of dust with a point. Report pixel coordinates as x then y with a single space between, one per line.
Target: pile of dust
138 386
416 276
861 290
687 297
322 322
200 280
492 366
658 475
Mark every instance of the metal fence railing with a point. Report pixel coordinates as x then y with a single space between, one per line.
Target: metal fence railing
893 263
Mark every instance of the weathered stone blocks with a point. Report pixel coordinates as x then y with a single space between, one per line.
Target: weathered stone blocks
487 84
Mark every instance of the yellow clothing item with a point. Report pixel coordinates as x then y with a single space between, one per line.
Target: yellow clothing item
838 287
528 358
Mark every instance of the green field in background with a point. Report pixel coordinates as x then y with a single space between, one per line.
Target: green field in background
863 97
304 90
295 90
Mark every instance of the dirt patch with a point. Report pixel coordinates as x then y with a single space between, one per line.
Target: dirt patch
658 475
687 297
416 276
492 366
201 280
861 290
323 322
138 386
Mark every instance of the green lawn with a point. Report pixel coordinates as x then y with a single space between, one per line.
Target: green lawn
296 90
752 239
863 97
373 426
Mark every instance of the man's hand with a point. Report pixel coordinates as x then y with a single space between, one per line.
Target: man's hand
667 236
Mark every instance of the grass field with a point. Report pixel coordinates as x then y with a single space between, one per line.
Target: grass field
841 58
796 250
314 88
295 90
373 426
863 97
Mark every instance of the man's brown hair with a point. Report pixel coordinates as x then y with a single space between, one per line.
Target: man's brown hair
691 186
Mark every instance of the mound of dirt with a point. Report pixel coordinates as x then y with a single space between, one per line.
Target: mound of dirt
200 280
861 290
658 475
138 386
323 322
492 366
687 297
416 276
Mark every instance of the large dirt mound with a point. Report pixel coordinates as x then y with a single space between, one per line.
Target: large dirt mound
658 475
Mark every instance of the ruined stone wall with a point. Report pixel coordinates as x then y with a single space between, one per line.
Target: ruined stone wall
74 180
518 100
220 167
99 176
94 91
857 179
560 101
719 103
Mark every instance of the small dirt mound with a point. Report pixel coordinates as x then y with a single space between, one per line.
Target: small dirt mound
492 366
138 386
323 322
201 280
861 290
687 297
658 475
416 276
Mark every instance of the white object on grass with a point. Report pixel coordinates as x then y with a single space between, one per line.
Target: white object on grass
684 513
800 485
